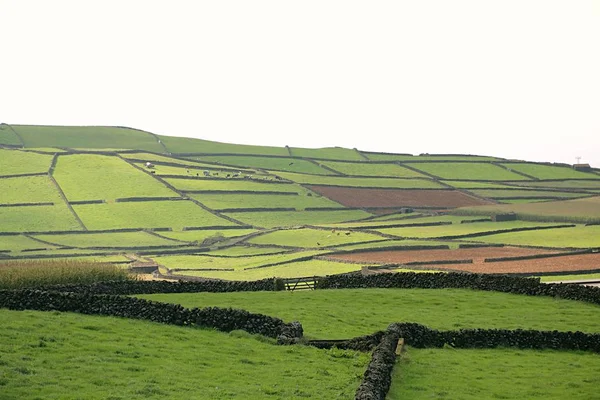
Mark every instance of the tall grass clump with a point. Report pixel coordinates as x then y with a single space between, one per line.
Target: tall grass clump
33 273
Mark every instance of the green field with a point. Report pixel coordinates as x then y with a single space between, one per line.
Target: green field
61 355
245 251
28 189
235 200
480 185
360 182
579 184
327 314
541 171
271 219
90 137
93 177
147 214
200 235
368 169
37 219
328 153
114 239
13 162
269 163
495 374
188 145
455 219
578 237
7 136
569 277
18 242
473 171
233 184
500 194
191 171
313 238
424 157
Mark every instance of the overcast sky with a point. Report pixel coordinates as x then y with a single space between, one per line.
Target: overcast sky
516 79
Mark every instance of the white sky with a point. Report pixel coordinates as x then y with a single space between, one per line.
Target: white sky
510 78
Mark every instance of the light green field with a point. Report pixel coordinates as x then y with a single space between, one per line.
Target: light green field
590 184
189 145
201 235
577 210
61 355
189 171
28 189
360 182
271 219
88 137
499 194
327 314
399 243
7 136
458 170
478 185
571 277
18 243
305 237
432 157
13 162
236 200
37 219
165 159
396 216
92 177
113 239
148 214
368 169
291 270
578 237
550 171
234 184
243 251
521 201
269 163
459 229
474 374
455 219
329 153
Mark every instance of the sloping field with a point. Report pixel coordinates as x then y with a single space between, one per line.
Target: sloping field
564 184
93 177
534 194
358 182
425 157
386 198
578 210
542 171
472 171
230 201
201 235
28 189
577 237
231 185
328 153
148 214
187 145
368 169
192 170
19 242
271 219
313 238
7 136
13 162
269 163
481 185
113 240
37 219
88 137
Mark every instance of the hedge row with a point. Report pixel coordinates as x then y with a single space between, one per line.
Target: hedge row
143 199
79 202
223 319
360 343
27 204
479 245
421 336
458 280
378 376
255 209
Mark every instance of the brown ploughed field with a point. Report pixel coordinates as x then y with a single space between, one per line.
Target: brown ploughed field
391 198
580 262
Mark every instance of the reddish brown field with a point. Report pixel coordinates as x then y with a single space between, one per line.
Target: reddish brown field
581 262
395 198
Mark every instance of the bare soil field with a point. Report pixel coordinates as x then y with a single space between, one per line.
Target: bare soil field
580 262
390 198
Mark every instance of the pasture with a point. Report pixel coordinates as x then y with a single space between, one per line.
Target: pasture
269 163
472 171
271 219
16 162
28 189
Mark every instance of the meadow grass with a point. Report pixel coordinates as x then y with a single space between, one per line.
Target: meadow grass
201 235
473 374
196 169
425 157
200 146
360 182
368 169
521 201
113 239
28 189
578 237
233 184
19 242
458 170
7 136
459 229
306 237
237 200
271 163
37 219
62 355
587 184
499 194
346 313
550 171
397 216
455 219
92 177
270 219
244 251
148 214
30 273
400 243
103 137
331 153
569 277
13 162
479 185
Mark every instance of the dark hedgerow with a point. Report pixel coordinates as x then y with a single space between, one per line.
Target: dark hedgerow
378 376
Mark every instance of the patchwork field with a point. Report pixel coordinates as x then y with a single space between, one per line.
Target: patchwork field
367 169
472 171
28 189
268 163
271 219
15 162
